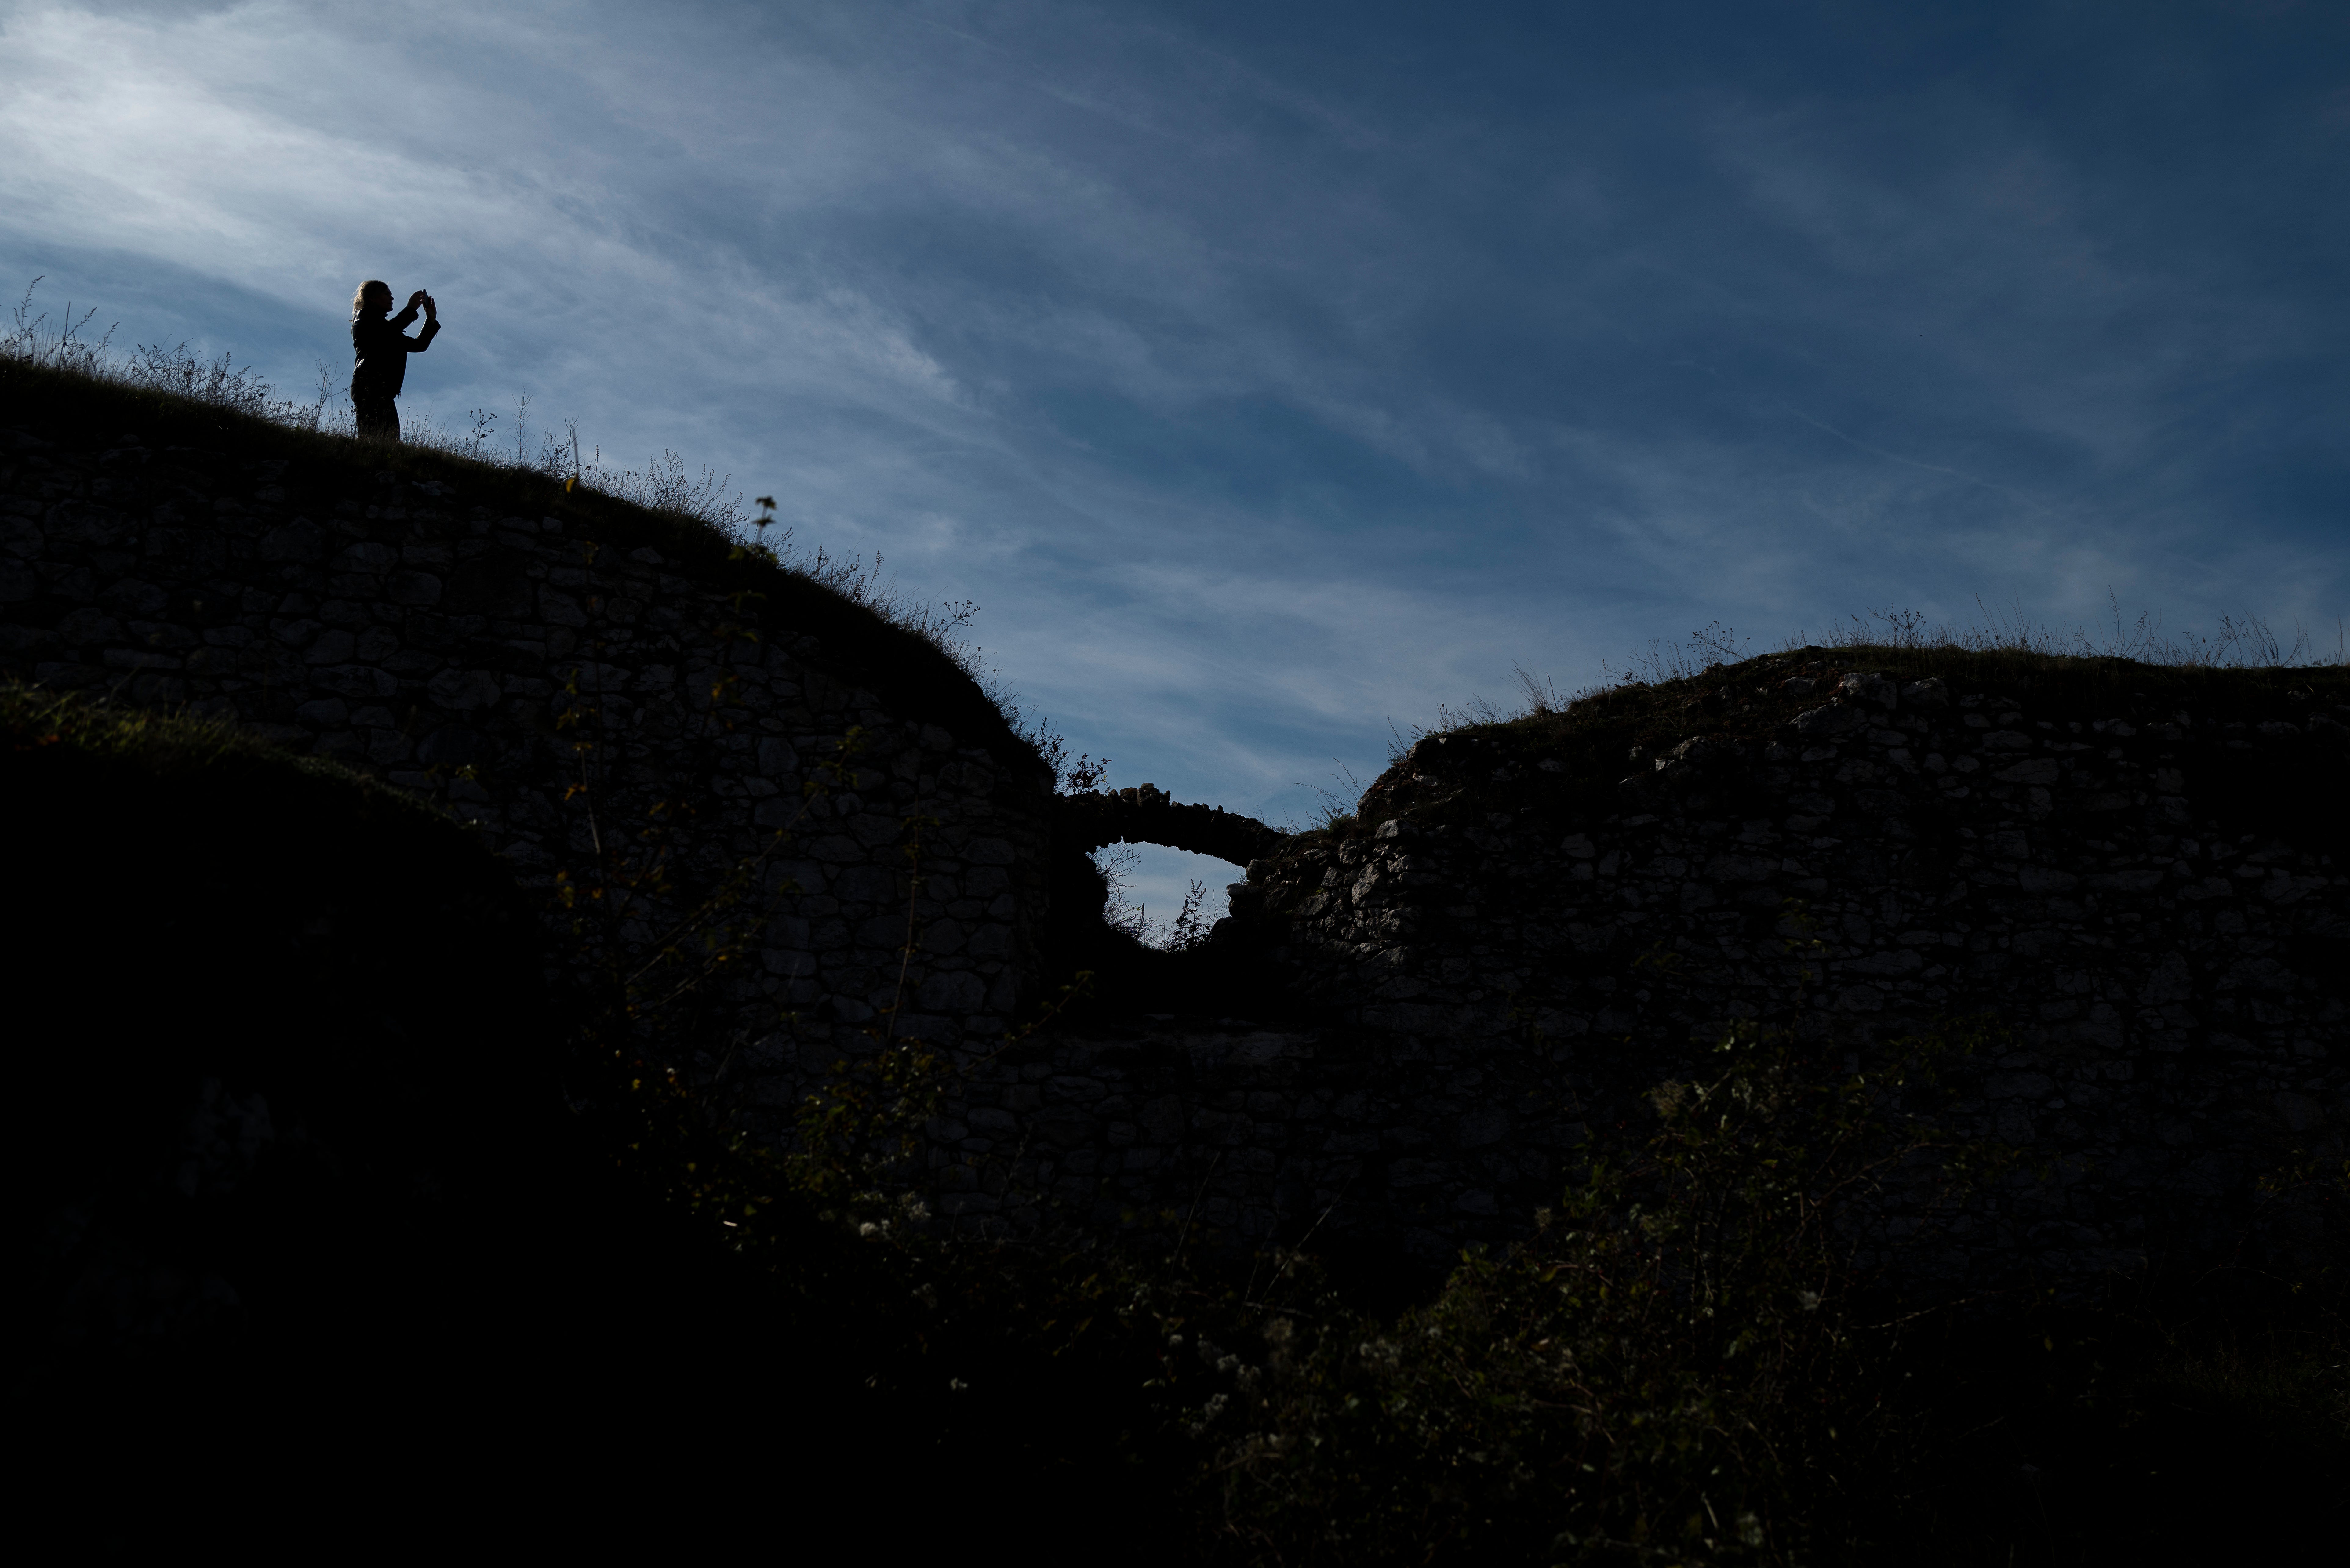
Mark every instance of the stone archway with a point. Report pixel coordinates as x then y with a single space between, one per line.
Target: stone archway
1146 814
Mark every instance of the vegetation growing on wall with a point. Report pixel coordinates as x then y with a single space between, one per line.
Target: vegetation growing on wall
1697 1358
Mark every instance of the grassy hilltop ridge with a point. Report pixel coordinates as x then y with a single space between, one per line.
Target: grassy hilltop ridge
864 637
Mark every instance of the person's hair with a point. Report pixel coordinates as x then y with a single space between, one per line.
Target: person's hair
373 285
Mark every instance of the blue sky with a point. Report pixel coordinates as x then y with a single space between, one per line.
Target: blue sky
1272 373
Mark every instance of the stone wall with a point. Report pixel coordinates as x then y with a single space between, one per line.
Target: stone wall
2149 909
1146 814
1477 978
406 627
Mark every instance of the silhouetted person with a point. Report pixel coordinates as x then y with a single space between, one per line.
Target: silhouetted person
379 351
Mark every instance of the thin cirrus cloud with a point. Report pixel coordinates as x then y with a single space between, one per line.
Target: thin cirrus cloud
1274 373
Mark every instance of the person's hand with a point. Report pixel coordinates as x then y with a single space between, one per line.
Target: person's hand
432 310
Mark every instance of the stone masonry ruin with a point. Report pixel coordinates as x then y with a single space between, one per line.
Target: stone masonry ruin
1491 964
404 627
2151 911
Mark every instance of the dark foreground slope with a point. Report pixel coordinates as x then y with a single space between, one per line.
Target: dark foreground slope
324 1224
291 1036
297 1205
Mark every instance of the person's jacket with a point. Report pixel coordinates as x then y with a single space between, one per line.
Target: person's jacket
379 351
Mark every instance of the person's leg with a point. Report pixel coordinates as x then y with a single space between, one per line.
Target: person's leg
377 417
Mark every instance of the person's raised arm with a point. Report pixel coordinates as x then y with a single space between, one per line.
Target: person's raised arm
431 324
